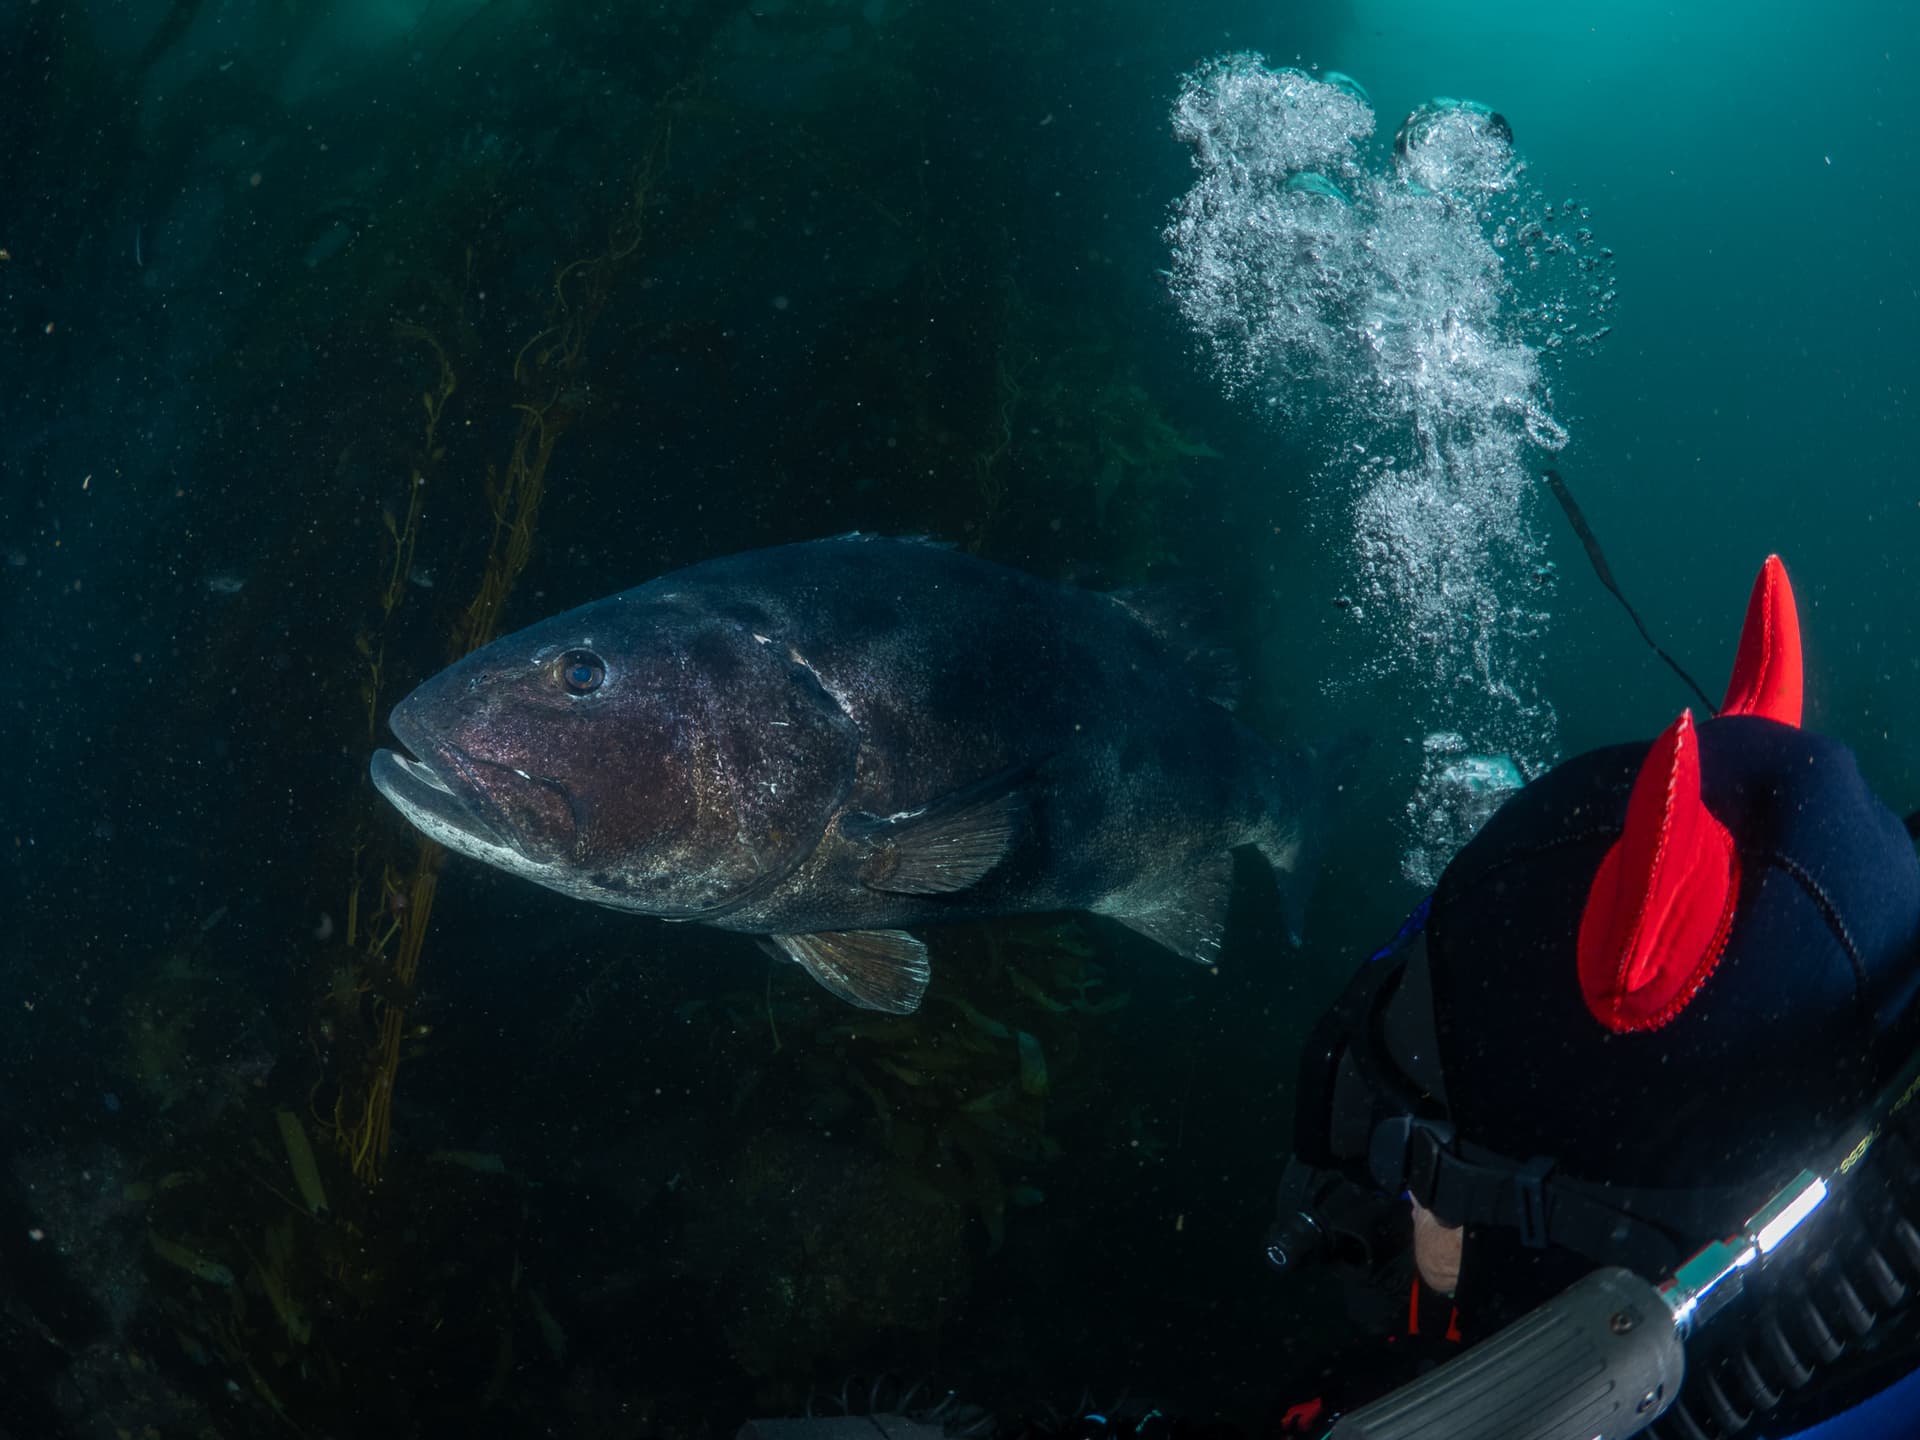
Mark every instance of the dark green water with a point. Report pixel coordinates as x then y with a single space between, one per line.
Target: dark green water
765 272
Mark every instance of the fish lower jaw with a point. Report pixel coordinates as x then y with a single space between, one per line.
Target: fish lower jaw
486 850
441 814
424 773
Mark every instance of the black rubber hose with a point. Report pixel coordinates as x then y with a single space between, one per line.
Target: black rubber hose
1729 1417
1597 558
1854 1313
1906 1242
1786 1360
1684 1425
1886 1287
1821 1340
1760 1395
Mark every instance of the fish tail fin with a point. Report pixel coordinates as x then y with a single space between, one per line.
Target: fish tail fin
1307 787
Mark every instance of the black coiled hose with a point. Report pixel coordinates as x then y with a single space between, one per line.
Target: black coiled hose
1867 1275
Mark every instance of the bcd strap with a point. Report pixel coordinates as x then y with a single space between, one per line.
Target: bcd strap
1544 1209
1529 1187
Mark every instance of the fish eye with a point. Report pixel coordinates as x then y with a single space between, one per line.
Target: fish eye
581 672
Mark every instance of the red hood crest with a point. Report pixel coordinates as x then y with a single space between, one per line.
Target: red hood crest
1662 902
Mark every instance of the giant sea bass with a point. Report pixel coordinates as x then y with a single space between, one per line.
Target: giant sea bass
829 742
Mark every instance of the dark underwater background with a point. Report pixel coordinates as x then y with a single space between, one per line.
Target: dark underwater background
337 336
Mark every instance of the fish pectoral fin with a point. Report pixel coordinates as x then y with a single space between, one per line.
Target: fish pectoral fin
874 969
947 846
1189 917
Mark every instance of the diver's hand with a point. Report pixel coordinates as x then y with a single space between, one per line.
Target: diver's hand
1436 1250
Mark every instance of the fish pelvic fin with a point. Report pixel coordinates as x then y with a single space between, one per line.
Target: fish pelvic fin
883 970
1188 915
1299 803
1295 865
943 847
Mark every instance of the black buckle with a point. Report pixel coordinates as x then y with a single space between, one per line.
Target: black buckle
1529 1185
1406 1154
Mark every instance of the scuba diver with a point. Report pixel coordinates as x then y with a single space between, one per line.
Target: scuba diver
1619 1135
1631 1091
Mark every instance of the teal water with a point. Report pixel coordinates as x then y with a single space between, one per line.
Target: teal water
767 271
1752 395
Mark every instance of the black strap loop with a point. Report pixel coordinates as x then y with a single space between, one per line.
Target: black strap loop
1530 1190
1420 1157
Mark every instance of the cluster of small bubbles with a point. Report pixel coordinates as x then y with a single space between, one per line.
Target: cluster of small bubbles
1265 243
1247 122
1571 293
1407 314
1458 790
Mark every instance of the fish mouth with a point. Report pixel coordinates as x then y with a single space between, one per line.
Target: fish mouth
488 810
458 819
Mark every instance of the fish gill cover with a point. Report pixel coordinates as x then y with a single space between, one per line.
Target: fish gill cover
1400 311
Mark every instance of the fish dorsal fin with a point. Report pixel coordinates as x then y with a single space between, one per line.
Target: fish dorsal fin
931 542
943 847
1189 916
1189 618
883 970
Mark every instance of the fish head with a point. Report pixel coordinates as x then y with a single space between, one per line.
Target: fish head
646 751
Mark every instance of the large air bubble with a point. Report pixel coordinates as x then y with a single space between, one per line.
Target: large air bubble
1401 311
1455 147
